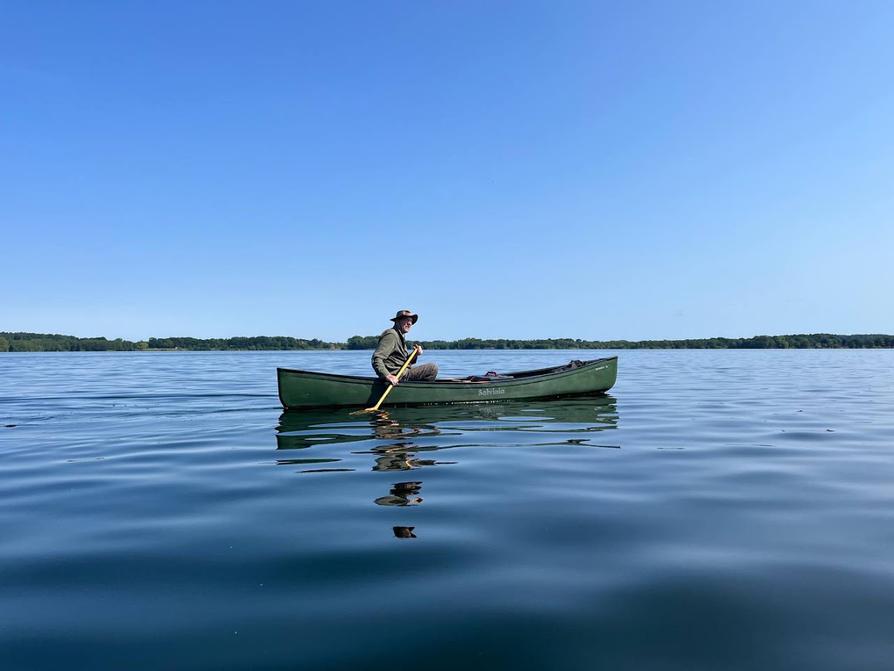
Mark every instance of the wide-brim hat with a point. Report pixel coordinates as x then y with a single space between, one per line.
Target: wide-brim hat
401 314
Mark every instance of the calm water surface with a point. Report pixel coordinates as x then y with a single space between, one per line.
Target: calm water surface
718 510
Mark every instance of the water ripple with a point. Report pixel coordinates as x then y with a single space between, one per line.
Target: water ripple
717 510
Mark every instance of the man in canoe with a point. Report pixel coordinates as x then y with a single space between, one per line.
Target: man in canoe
392 353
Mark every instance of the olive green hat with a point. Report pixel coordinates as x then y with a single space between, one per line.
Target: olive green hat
405 313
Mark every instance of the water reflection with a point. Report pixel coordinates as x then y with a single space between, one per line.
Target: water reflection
404 532
402 494
409 439
400 453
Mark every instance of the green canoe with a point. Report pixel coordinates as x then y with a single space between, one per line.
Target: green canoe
306 389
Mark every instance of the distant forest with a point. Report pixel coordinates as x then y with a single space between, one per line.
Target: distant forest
42 342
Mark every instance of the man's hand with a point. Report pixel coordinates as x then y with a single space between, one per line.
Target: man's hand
392 379
419 350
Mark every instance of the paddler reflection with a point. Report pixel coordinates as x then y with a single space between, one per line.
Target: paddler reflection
402 494
401 455
407 439
395 446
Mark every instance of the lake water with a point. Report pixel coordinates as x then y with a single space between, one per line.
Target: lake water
718 510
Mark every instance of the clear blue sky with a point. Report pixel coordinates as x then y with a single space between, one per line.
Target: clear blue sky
507 169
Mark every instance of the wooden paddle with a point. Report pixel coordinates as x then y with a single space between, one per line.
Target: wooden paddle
391 386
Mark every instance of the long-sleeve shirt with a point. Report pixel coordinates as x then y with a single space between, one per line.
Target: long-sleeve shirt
390 354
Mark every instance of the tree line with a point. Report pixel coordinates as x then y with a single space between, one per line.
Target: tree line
43 342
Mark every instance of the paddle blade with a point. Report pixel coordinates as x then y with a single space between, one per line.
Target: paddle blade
364 411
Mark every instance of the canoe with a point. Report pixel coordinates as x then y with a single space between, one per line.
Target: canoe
308 389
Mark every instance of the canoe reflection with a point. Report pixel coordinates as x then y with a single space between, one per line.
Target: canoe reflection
408 439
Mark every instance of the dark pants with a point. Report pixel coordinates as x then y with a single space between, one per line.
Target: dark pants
425 372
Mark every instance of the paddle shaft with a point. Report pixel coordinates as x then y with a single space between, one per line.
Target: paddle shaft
399 373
